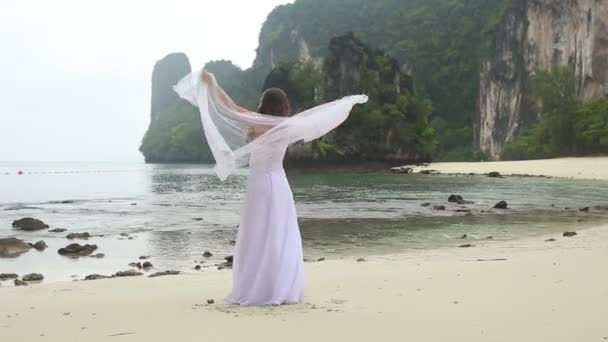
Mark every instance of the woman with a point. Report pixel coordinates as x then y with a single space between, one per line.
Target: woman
268 262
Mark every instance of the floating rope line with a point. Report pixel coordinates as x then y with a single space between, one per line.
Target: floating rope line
24 173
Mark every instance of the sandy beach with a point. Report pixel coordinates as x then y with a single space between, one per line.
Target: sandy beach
577 168
543 291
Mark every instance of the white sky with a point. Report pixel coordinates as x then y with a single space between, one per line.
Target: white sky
75 74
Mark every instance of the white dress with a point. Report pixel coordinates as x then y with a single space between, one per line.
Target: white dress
268 262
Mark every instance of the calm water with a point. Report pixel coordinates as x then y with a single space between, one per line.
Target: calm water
341 215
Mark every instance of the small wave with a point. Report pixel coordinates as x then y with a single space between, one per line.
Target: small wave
22 207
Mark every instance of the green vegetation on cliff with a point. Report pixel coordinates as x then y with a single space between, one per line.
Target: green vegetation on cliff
441 42
566 125
176 137
392 127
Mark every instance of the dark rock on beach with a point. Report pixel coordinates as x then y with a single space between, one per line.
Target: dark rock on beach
439 207
361 260
570 234
57 230
147 265
33 277
468 245
98 256
584 210
8 276
501 205
197 267
96 277
129 273
18 282
207 254
29 224
82 236
39 246
402 170
455 198
77 250
458 199
495 174
198 219
227 263
12 247
144 257
426 204
550 240
464 236
164 273
136 265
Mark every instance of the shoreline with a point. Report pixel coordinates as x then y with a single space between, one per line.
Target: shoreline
591 168
543 291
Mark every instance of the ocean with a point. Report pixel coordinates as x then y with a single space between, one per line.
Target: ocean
174 213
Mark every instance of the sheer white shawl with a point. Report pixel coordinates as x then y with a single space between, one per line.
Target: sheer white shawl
228 127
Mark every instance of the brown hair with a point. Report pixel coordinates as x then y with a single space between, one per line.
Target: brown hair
274 102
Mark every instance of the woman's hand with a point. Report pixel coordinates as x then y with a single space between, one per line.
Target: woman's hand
207 77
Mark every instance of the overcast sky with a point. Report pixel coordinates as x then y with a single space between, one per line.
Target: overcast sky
75 75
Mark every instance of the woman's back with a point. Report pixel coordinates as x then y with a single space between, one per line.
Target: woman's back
269 159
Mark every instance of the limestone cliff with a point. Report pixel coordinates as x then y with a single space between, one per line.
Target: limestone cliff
537 34
167 72
175 134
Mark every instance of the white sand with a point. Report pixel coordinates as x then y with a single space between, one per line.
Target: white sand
580 168
544 292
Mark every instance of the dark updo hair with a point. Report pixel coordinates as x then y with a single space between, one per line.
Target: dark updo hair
274 102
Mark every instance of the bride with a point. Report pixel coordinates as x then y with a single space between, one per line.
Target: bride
268 261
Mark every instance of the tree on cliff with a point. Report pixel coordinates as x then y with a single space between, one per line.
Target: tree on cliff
566 126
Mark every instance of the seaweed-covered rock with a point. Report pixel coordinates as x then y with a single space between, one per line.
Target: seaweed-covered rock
164 273
455 198
29 224
12 247
129 273
33 277
96 277
39 246
77 250
82 236
501 205
8 276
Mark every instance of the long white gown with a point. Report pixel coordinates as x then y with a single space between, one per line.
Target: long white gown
268 262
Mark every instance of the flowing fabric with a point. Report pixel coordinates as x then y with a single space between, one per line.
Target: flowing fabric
228 127
268 261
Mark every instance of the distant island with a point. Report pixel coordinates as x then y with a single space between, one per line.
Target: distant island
453 81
